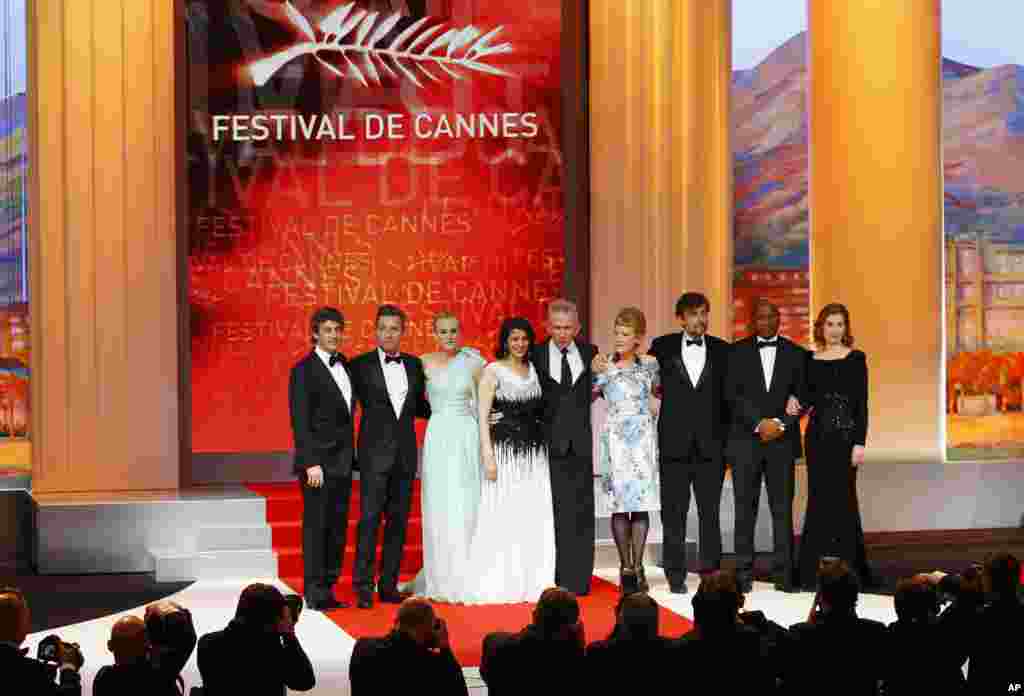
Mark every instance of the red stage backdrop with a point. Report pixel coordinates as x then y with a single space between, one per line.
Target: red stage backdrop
352 154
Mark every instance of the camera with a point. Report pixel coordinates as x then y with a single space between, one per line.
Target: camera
52 650
294 603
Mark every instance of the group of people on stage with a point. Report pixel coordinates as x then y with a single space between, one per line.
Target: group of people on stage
510 486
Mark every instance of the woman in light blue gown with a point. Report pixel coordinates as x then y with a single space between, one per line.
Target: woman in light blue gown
450 474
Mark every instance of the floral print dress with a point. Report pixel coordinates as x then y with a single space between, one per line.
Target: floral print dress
627 463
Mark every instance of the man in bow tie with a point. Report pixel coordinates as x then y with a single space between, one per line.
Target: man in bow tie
391 388
320 399
765 371
691 436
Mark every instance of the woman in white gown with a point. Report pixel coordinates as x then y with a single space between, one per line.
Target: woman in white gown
512 553
450 475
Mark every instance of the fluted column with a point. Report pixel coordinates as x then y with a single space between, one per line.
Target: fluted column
660 164
876 197
103 220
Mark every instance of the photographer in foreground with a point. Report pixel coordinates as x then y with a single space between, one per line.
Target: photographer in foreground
34 676
258 653
148 655
414 657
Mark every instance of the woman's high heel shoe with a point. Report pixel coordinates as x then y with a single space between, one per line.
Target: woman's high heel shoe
627 580
641 577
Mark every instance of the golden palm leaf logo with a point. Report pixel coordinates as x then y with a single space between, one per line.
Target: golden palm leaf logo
349 45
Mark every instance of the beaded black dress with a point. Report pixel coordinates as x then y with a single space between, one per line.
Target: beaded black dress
838 392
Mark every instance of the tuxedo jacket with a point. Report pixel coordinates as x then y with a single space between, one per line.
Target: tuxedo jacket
321 419
691 412
395 664
385 440
749 401
566 409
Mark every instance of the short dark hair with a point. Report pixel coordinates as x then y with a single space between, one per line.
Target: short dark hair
390 310
691 301
717 602
1002 571
916 599
638 617
260 605
320 316
838 585
507 327
556 610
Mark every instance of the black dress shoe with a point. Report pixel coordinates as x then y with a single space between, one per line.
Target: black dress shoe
678 589
365 600
328 604
393 596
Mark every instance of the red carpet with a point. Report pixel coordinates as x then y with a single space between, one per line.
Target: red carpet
467 626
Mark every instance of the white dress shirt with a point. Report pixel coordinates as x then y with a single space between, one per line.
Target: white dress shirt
339 375
767 359
575 361
397 381
694 357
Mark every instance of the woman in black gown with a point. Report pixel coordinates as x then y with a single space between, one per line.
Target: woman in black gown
837 389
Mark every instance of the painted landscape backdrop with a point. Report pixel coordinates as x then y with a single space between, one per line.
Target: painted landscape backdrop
15 460
983 153
770 155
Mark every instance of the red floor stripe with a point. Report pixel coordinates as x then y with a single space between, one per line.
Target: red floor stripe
467 625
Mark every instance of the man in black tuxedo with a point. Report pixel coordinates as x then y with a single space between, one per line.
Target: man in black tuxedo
692 430
391 389
415 657
764 441
320 398
563 366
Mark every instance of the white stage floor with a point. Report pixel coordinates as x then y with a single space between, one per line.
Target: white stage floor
213 604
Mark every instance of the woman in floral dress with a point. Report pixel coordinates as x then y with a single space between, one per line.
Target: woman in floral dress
627 463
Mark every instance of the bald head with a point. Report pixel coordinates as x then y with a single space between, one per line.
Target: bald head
14 616
128 639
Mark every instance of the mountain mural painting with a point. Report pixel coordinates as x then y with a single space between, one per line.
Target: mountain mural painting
770 158
983 158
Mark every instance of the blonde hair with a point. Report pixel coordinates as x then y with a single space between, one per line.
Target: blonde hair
445 314
632 318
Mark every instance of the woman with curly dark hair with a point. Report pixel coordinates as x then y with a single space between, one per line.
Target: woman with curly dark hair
512 553
837 388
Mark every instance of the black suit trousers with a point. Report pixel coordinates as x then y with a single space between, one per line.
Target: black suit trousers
324 534
387 493
572 491
774 464
705 472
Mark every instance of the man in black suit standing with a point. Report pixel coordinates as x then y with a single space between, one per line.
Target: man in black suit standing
563 366
692 430
391 388
765 370
320 398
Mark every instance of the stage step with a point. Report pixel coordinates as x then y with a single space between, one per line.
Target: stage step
225 537
172 565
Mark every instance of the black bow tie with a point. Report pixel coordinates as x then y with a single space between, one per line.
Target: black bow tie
767 344
334 360
695 341
392 359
